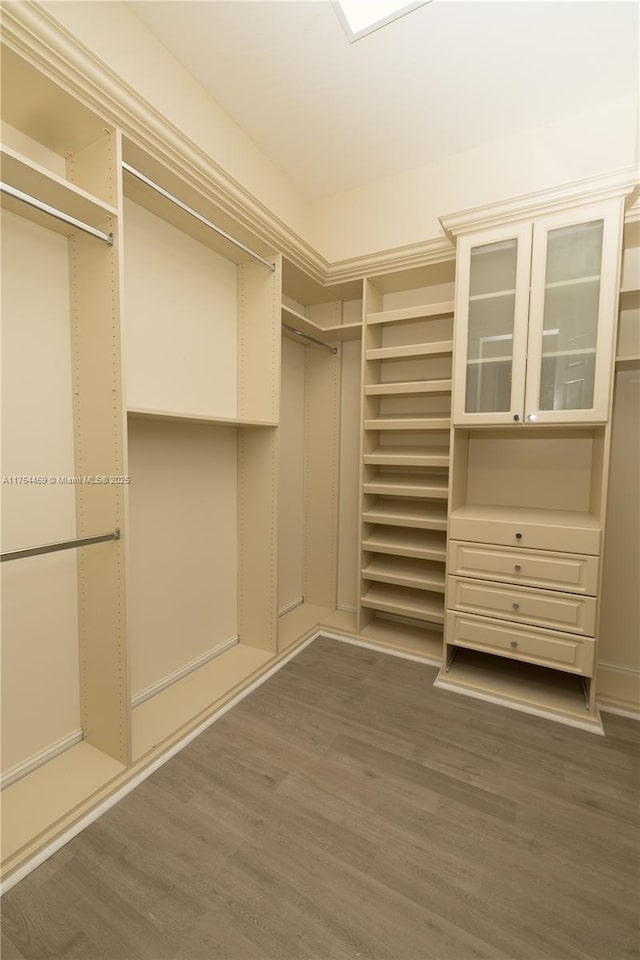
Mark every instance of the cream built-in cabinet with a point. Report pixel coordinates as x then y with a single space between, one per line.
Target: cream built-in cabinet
536 314
536 309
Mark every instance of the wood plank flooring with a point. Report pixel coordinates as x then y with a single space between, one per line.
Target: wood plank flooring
346 809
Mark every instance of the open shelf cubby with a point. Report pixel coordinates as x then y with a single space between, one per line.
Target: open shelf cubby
406 400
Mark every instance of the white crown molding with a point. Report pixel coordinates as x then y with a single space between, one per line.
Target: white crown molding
392 261
617 183
33 33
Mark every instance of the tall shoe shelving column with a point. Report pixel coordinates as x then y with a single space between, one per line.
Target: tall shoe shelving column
406 418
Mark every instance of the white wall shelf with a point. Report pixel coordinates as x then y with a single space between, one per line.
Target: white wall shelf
405 542
408 513
405 602
405 572
138 413
430 487
420 312
414 422
443 348
408 456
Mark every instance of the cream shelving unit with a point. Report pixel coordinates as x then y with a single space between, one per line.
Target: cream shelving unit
202 349
138 346
531 448
66 730
313 535
406 419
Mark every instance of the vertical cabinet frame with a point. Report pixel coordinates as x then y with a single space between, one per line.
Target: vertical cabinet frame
522 234
612 215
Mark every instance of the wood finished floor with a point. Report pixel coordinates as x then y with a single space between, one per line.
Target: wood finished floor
346 809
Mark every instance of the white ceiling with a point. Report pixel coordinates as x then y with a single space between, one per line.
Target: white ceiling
445 78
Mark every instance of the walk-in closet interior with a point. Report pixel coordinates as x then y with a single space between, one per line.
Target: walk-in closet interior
218 446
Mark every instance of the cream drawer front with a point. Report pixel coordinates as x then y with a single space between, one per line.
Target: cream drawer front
561 611
536 536
545 647
559 571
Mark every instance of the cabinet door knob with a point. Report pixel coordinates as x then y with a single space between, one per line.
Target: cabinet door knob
518 536
514 644
516 416
515 606
517 567
531 416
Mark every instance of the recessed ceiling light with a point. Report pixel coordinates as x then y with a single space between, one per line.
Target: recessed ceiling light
361 17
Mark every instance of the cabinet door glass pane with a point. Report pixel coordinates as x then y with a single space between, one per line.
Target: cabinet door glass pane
492 299
570 326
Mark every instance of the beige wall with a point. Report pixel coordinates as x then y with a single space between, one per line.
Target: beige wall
395 211
114 34
40 662
619 647
183 545
180 330
404 208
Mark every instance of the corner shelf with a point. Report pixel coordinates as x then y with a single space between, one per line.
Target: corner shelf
346 331
422 312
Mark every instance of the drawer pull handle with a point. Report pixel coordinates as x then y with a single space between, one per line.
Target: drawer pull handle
517 568
518 536
515 606
514 644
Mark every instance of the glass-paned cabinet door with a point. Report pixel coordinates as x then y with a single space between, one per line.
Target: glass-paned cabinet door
492 295
573 314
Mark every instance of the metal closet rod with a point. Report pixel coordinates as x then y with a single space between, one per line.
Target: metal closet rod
194 213
54 212
304 336
60 545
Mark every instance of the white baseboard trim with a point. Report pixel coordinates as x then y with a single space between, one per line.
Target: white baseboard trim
345 608
39 759
188 668
605 707
618 668
378 647
291 606
135 781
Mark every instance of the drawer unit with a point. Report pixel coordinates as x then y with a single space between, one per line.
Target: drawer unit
567 536
552 571
548 648
560 611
